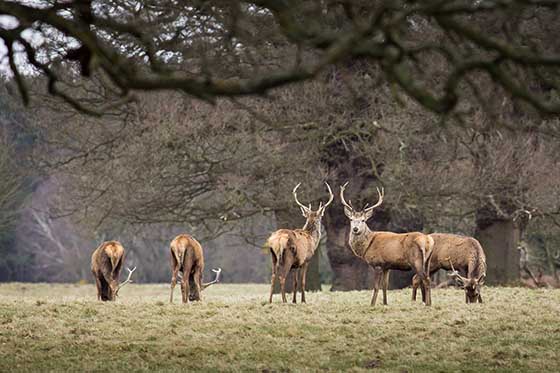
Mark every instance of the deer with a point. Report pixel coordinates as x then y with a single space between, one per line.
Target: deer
292 249
464 253
187 257
387 251
106 264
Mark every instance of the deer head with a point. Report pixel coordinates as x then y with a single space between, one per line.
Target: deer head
358 219
470 285
313 218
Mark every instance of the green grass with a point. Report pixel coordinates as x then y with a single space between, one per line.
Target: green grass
63 328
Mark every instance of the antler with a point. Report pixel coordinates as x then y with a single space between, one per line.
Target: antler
380 201
455 274
217 279
128 280
346 204
294 192
331 197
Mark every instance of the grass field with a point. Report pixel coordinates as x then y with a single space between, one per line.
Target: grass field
63 328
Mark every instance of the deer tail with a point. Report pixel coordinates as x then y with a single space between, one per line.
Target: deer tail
113 257
480 260
428 251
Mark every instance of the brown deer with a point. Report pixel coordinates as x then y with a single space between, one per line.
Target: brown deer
106 264
388 250
292 249
187 257
462 252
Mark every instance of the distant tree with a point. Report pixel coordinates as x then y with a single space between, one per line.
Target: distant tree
13 190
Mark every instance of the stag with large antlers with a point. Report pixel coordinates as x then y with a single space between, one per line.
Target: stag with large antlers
187 257
106 264
462 252
292 249
388 250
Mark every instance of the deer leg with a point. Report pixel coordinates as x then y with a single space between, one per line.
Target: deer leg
283 274
385 285
479 298
197 281
428 291
173 283
98 286
283 288
272 278
426 288
418 266
377 277
186 289
294 292
303 279
185 285
414 287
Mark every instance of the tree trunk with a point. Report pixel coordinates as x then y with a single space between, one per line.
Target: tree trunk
499 239
292 219
550 262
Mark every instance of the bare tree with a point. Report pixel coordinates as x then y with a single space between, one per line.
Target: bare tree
214 49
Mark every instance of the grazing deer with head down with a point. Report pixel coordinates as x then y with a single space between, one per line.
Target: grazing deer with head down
293 249
388 250
106 264
187 257
464 253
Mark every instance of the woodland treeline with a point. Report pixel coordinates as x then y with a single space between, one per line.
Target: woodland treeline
202 133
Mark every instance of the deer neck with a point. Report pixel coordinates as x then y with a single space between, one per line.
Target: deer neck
359 243
314 230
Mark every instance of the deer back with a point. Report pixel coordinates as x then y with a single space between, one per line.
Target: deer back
399 250
464 252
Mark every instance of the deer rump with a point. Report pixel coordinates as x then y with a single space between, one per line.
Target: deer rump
107 267
281 243
187 259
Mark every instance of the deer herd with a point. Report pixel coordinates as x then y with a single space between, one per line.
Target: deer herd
292 249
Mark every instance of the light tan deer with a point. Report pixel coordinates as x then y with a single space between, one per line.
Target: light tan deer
187 257
388 250
462 252
294 248
106 264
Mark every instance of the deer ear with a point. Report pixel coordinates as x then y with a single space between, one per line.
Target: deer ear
481 280
347 212
368 214
303 212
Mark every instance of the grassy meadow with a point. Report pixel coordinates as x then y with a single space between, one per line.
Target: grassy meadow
61 327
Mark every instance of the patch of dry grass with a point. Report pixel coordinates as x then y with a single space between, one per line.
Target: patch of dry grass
62 327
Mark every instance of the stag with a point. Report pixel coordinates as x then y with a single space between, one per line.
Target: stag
106 264
292 249
187 257
388 250
462 252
